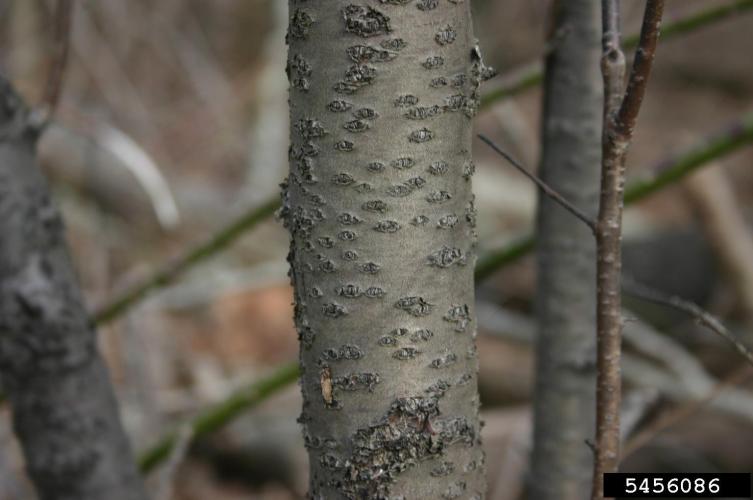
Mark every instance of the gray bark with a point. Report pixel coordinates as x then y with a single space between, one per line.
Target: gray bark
380 208
64 411
565 353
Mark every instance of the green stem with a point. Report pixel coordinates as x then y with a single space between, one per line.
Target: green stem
167 273
216 417
668 172
712 148
494 260
531 74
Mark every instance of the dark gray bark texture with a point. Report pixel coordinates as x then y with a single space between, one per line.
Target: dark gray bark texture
566 292
380 208
64 411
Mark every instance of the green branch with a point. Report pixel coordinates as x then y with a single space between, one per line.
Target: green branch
733 137
667 172
495 260
168 272
531 74
217 416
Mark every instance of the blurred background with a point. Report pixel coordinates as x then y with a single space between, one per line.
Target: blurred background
173 121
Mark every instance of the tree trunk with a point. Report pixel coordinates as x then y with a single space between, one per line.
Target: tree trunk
64 410
565 302
380 209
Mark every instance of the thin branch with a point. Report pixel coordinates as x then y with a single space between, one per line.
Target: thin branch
62 41
494 260
548 190
531 74
163 488
701 316
219 415
642 64
620 114
719 144
170 271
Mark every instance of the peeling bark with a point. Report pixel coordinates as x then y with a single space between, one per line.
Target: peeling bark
64 410
566 251
379 205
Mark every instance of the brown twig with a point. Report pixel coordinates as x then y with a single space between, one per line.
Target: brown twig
62 37
548 190
620 114
702 317
641 70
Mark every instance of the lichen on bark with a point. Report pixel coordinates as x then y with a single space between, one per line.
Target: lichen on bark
380 209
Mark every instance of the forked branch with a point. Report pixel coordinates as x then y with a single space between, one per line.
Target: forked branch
620 114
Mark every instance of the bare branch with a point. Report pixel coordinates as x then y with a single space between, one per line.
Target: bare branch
620 114
642 64
703 317
545 188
